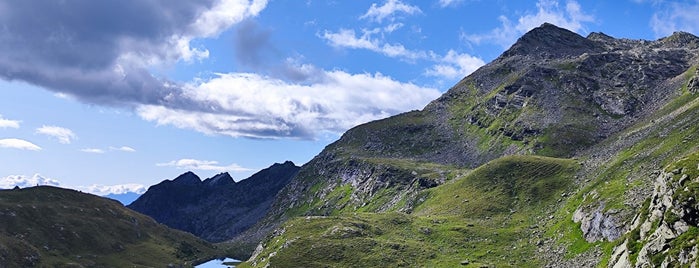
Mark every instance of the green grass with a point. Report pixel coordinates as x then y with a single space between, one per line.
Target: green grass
484 216
52 227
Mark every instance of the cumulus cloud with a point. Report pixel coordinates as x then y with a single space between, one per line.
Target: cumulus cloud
194 164
571 17
66 51
102 190
92 150
254 106
675 16
455 65
389 10
22 181
63 135
18 144
7 123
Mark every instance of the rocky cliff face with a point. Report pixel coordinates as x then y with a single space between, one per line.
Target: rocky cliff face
217 208
666 229
621 107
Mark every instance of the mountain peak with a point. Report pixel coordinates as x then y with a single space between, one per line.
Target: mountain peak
550 41
680 40
220 179
187 178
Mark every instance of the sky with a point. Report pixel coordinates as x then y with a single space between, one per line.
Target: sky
117 95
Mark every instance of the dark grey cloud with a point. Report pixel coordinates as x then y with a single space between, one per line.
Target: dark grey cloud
79 47
255 49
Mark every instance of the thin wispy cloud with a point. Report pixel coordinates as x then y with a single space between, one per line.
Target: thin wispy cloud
389 10
569 16
63 135
92 150
19 144
122 149
675 16
348 38
448 3
194 164
7 123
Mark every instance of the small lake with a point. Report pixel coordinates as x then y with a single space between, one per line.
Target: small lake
218 263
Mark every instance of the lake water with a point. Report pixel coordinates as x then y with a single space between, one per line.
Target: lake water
217 263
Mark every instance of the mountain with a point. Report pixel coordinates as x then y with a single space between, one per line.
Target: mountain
45 226
562 152
124 198
217 208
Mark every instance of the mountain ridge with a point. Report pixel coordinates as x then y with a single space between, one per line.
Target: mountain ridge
216 208
604 104
46 226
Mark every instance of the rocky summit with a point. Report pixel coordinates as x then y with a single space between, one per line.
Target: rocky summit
565 151
217 208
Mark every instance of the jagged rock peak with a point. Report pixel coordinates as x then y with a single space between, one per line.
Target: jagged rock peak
220 179
680 40
187 178
286 163
550 41
600 36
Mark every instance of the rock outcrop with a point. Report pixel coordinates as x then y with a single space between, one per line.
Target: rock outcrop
666 230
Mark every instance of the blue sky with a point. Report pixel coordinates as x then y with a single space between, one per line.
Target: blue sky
110 96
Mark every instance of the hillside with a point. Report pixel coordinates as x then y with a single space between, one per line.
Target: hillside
592 121
52 227
218 208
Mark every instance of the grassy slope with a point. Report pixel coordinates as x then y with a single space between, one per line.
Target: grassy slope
485 217
624 180
53 227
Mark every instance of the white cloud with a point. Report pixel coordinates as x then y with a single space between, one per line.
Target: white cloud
123 149
452 65
114 69
102 190
570 17
92 150
388 10
675 16
7 123
348 38
194 164
212 22
19 144
22 181
250 105
63 135
455 65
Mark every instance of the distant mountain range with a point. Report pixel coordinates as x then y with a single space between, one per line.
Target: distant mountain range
217 208
124 198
